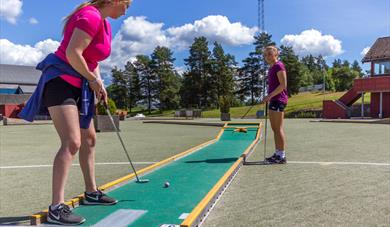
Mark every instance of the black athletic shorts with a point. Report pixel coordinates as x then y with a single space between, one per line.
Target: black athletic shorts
277 106
59 92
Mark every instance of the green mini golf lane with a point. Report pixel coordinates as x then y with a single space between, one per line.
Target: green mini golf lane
190 178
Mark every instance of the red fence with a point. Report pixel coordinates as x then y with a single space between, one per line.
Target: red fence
10 110
372 84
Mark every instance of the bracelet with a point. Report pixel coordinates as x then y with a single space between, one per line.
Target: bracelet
93 81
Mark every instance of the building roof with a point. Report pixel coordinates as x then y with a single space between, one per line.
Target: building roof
28 89
379 51
18 74
13 99
23 89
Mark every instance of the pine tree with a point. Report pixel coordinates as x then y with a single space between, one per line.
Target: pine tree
167 81
252 75
133 84
294 69
197 82
317 68
356 67
223 66
147 80
337 63
118 91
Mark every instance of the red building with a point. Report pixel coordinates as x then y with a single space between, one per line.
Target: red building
378 84
17 83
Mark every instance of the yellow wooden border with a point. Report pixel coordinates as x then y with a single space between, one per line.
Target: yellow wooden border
221 132
259 132
240 127
243 123
197 211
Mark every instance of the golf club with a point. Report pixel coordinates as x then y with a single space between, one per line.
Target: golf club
124 148
265 129
243 116
263 162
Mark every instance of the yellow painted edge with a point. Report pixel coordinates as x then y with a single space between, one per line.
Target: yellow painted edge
191 218
243 123
38 217
205 201
221 132
259 131
240 126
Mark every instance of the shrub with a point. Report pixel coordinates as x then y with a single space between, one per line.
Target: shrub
101 110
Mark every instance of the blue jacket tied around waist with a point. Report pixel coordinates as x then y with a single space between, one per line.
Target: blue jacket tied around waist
52 67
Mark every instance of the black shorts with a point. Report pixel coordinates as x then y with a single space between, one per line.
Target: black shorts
59 92
277 106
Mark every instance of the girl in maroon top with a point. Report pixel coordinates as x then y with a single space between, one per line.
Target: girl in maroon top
277 98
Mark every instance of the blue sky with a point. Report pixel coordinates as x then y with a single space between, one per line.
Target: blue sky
335 28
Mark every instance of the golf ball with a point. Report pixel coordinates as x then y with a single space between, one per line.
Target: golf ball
166 184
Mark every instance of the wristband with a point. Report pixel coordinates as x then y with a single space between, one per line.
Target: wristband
92 81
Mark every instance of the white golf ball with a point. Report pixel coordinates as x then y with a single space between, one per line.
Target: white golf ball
166 184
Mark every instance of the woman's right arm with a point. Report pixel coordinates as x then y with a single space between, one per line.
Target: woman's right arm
74 53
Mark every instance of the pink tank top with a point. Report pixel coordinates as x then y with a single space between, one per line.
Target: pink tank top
90 21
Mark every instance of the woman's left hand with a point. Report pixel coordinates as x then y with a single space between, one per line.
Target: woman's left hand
103 96
265 99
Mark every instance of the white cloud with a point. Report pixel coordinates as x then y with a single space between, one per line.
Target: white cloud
33 20
10 10
215 28
314 43
17 54
365 51
181 69
137 35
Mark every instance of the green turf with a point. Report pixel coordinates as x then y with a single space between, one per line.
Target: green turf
191 178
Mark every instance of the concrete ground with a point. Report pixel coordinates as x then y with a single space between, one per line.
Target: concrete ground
345 185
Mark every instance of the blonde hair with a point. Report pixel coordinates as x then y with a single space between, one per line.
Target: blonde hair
96 3
273 48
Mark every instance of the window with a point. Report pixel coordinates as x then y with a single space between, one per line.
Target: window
381 68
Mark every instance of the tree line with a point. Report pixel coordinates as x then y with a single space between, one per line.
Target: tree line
213 78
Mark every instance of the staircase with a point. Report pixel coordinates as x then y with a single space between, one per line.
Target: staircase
333 109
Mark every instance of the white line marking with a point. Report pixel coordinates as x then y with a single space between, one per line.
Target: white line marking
340 163
102 163
149 163
184 216
120 218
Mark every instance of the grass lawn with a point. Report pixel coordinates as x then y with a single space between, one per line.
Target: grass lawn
301 101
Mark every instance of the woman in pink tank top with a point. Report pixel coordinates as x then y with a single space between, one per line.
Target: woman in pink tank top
86 42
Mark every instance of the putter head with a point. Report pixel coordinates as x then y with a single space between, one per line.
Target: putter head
142 181
260 163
